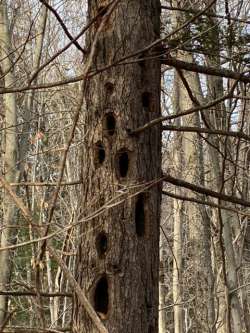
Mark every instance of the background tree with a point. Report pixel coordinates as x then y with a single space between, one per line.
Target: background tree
10 146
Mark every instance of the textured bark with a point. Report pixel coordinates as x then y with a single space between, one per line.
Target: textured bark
117 260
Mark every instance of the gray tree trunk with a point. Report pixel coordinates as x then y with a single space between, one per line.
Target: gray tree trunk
117 260
10 158
191 167
201 278
229 306
179 221
162 285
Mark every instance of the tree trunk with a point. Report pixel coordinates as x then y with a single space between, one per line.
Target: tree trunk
10 158
117 260
29 98
201 275
179 220
218 119
191 166
162 285
246 195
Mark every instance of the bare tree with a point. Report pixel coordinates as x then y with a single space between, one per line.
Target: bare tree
10 158
117 260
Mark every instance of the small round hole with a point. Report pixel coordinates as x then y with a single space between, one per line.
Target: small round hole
122 163
99 153
101 244
140 215
101 296
109 123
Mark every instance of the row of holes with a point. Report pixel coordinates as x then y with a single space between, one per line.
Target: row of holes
140 224
101 295
109 125
121 159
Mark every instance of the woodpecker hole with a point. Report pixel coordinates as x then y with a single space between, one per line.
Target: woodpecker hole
109 123
109 88
146 100
122 163
101 244
99 153
101 297
140 215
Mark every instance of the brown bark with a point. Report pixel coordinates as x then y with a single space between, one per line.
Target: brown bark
117 260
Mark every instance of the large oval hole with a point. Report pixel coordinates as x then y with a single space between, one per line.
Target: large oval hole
140 215
122 163
110 123
101 296
146 100
101 244
99 154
